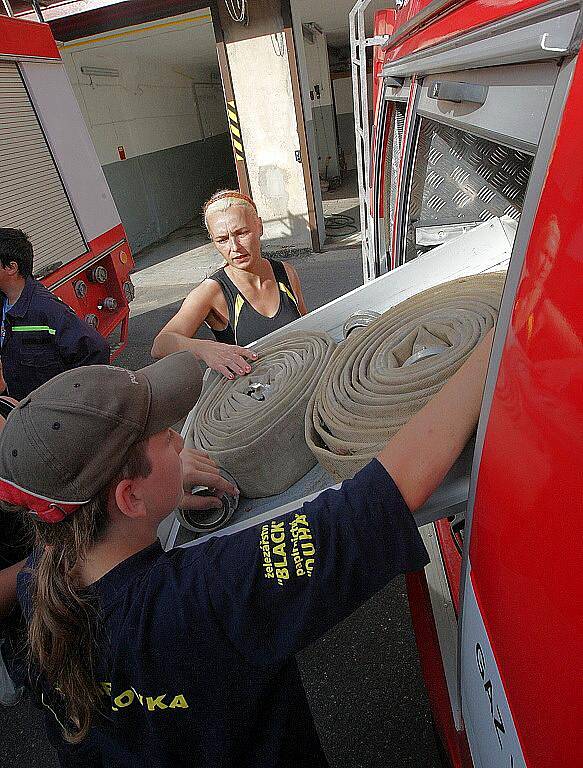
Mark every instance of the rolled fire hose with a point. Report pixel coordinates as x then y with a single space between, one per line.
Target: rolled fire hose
359 320
379 378
253 426
209 520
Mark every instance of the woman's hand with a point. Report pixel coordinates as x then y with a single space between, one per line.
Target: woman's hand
227 359
199 469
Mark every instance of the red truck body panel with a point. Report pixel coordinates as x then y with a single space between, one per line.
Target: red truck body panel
461 18
525 549
27 38
529 504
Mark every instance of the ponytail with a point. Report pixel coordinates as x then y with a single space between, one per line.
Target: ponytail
62 631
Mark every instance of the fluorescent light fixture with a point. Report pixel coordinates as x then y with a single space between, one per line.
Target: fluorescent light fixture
100 71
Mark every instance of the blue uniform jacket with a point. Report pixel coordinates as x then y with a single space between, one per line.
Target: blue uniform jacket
44 337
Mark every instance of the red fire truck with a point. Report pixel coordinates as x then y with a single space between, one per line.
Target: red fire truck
52 185
479 116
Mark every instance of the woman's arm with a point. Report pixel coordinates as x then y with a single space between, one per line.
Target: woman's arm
294 279
176 336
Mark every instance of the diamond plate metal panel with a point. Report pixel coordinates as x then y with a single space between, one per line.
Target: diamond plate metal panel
459 178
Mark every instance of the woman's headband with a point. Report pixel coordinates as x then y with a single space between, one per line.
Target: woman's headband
228 197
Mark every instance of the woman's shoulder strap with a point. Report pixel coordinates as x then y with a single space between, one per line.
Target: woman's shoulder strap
230 290
280 272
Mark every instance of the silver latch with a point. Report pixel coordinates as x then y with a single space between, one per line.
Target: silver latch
447 90
258 391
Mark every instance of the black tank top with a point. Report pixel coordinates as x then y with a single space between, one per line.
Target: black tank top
246 324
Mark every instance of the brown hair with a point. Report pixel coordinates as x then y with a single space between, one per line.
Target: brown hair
62 631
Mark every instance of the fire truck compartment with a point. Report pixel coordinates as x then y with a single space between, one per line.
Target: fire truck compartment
487 247
459 180
467 154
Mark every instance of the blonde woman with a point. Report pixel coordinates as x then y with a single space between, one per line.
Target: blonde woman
249 297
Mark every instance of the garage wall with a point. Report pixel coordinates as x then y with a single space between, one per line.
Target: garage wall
318 66
171 127
345 117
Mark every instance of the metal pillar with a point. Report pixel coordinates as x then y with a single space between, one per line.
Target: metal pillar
358 45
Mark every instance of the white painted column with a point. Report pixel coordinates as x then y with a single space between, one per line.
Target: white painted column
265 83
265 103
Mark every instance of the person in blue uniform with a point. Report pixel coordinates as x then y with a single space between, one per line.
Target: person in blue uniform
181 658
246 299
40 334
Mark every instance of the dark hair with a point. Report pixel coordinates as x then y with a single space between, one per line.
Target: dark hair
15 246
62 631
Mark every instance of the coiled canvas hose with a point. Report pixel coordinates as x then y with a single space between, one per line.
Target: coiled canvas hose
377 379
253 426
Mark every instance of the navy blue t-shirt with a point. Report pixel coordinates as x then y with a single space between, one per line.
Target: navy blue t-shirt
197 664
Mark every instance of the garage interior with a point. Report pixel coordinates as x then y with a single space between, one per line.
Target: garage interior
152 98
326 47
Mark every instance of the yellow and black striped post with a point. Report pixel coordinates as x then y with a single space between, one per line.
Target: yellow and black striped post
235 132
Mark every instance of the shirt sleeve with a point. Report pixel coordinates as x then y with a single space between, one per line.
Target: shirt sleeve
278 586
78 343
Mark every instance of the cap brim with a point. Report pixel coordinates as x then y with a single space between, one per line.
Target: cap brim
175 385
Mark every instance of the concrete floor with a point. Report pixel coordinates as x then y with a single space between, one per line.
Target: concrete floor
362 679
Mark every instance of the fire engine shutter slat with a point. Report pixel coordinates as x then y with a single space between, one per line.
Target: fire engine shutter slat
23 150
49 232
28 131
32 197
47 249
47 205
16 152
50 241
11 118
48 245
31 186
14 206
25 131
24 176
53 234
51 238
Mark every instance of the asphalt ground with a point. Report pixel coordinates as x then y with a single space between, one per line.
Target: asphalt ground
362 678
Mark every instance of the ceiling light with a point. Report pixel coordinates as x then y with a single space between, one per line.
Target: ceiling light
100 71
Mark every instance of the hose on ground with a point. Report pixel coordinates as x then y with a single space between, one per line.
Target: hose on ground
339 225
379 378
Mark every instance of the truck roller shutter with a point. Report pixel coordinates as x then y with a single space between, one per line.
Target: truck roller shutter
32 197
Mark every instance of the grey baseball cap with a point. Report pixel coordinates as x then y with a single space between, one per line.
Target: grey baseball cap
68 439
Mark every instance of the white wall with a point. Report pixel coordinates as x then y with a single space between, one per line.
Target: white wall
343 94
345 117
318 68
320 85
165 106
270 136
149 107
